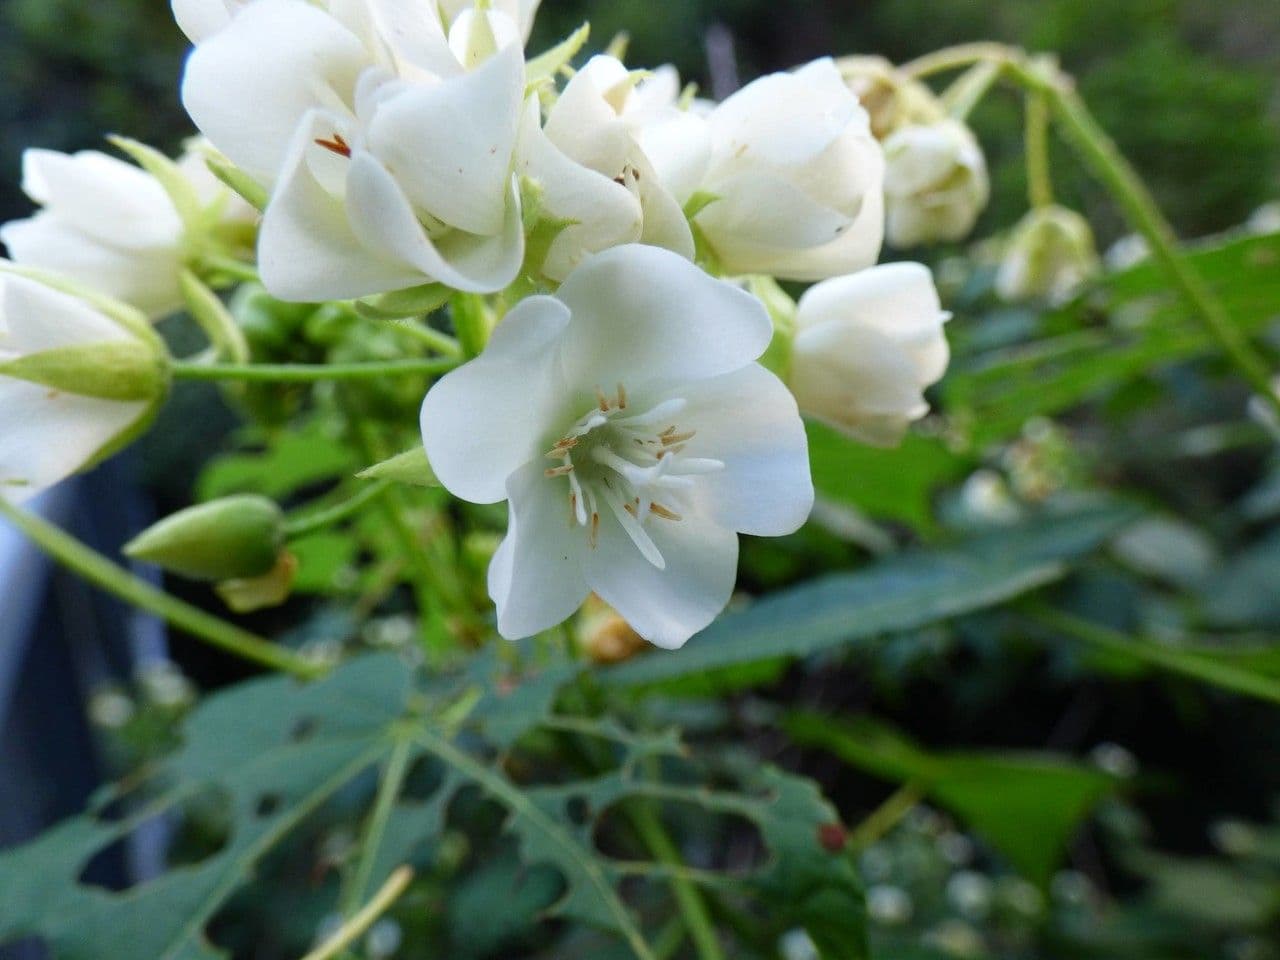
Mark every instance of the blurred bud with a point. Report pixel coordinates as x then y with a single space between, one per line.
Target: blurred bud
1114 759
1264 413
891 99
889 906
1266 219
1051 255
956 938
245 595
1234 838
936 183
970 893
236 537
1129 251
797 945
604 636
867 347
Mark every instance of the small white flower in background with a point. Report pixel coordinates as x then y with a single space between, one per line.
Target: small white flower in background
634 435
797 179
109 225
866 347
1129 251
75 383
1264 220
891 99
936 183
1050 255
627 127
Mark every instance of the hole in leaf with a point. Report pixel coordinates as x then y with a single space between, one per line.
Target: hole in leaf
182 836
267 804
725 842
423 778
304 729
578 810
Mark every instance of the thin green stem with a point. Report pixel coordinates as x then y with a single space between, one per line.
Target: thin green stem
236 269
953 58
311 521
311 373
97 569
884 818
346 935
1039 181
693 910
440 342
965 94
389 787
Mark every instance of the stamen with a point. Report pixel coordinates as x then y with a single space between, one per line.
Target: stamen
658 510
602 400
622 397
671 439
595 531
559 471
663 411
337 145
639 536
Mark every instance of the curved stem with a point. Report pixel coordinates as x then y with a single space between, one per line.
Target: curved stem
97 569
388 792
884 818
396 884
1039 182
311 373
953 58
310 522
967 92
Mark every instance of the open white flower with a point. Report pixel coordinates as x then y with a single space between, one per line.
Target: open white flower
634 435
797 178
936 183
75 383
866 347
628 128
109 225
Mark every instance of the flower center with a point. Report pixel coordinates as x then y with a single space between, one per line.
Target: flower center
631 463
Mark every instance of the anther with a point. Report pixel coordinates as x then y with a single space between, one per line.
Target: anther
602 400
559 471
595 529
658 510
337 145
622 397
671 439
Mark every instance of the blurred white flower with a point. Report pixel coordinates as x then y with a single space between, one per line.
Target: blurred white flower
1050 255
936 183
866 347
75 383
1129 251
796 178
1266 219
888 905
891 99
634 435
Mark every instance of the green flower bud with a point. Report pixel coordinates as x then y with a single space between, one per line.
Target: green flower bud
237 537
1051 255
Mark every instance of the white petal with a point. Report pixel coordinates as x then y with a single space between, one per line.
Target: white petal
897 299
665 224
146 279
762 212
604 214
200 19
666 606
484 420
103 197
748 420
34 318
449 146
45 436
535 578
585 125
642 314
248 87
678 144
407 34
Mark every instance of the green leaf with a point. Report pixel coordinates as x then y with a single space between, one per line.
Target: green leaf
1025 805
411 467
902 593
296 458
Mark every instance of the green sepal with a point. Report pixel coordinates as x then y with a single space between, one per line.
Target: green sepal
411 467
253 193
233 538
782 311
413 302
124 370
699 202
181 191
543 68
208 310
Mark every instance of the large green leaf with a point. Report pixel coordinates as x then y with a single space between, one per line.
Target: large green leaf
898 594
1026 805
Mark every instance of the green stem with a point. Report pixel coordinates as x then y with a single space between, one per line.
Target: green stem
952 58
362 921
884 818
1039 182
388 792
967 92
97 569
236 269
312 521
697 919
311 373
472 322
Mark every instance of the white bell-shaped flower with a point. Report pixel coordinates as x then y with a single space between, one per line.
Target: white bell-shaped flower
936 183
1051 254
75 383
634 435
796 177
866 347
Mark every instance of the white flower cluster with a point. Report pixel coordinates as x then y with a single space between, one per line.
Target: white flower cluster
621 406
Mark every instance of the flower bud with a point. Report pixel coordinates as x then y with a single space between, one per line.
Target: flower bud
234 538
1051 254
604 636
891 99
868 345
936 183
79 378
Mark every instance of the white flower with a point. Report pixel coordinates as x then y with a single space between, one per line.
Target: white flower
519 12
935 183
866 347
797 178
75 383
629 129
1050 255
634 435
891 99
108 225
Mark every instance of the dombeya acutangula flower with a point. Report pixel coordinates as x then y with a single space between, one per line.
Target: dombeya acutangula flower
633 434
866 347
1050 255
795 179
78 378
936 183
